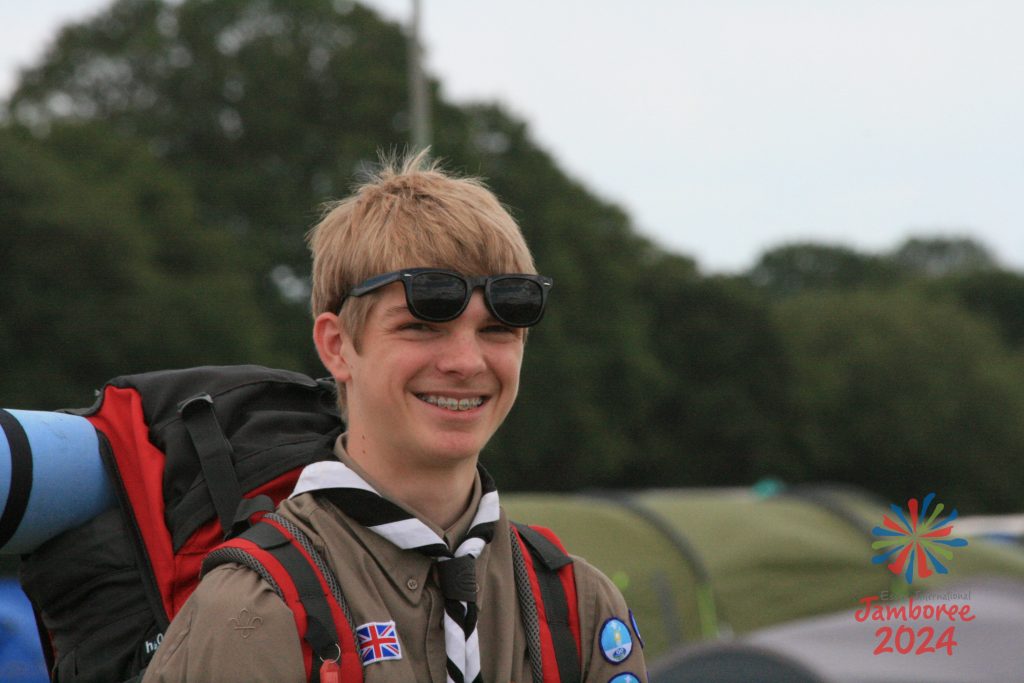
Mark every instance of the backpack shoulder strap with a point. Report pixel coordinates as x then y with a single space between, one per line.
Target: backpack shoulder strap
285 558
547 594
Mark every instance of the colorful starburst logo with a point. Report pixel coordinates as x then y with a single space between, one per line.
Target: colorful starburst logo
913 543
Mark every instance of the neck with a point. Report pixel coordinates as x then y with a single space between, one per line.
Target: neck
440 493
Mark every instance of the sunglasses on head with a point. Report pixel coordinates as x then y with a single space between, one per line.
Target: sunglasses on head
437 295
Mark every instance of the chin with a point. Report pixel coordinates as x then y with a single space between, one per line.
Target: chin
457 449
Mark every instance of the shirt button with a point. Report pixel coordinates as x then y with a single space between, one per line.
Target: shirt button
412 584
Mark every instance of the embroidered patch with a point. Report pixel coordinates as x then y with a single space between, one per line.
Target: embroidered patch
616 643
624 678
246 623
636 629
378 641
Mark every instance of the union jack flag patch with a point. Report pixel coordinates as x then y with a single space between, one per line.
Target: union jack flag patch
378 641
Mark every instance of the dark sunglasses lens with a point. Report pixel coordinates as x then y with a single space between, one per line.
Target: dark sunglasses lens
517 301
436 296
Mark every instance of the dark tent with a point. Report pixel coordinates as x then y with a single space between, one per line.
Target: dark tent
988 648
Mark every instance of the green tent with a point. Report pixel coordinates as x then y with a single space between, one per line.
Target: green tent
704 564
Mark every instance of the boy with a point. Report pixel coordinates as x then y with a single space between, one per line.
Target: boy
423 289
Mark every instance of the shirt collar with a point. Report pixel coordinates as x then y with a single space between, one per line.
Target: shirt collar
453 534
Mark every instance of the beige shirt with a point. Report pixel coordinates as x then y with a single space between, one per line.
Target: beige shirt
235 628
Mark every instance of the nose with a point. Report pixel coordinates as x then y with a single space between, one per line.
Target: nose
463 353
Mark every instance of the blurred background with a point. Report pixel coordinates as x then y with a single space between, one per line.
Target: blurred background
786 238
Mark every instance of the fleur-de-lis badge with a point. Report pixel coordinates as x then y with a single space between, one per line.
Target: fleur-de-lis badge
246 623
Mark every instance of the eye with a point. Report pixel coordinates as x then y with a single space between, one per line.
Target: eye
501 330
415 326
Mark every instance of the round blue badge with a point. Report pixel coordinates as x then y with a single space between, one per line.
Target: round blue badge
616 643
624 678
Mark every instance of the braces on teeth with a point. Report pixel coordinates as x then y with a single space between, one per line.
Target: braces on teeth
453 403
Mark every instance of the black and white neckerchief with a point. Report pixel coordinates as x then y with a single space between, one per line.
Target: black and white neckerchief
360 501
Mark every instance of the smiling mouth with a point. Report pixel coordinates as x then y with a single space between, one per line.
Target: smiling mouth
453 404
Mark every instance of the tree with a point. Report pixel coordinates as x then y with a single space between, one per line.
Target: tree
996 295
905 395
105 271
795 268
718 412
940 256
266 107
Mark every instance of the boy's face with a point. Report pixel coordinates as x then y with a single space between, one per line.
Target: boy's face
429 394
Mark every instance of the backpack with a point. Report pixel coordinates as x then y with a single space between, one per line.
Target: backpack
195 456
184 449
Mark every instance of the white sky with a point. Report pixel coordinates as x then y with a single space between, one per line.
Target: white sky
725 127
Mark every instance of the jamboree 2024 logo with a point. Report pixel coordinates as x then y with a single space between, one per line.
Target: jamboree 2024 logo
914 542
916 545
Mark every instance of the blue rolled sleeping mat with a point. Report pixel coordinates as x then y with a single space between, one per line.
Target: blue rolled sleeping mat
51 477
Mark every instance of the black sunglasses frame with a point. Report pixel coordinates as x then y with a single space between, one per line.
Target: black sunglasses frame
407 276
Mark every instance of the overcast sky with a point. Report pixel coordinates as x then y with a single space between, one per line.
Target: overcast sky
725 127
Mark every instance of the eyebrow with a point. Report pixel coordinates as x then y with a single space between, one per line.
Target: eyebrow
395 311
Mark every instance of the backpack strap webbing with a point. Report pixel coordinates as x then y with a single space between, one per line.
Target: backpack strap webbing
284 557
214 451
216 458
552 587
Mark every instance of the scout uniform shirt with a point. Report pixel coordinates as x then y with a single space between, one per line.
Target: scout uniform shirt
235 628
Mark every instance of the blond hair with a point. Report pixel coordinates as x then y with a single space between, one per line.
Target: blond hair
409 214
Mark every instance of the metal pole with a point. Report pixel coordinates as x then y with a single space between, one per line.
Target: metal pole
419 104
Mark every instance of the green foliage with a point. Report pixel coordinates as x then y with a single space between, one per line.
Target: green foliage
106 272
796 268
264 105
267 107
996 295
898 388
903 395
936 257
722 396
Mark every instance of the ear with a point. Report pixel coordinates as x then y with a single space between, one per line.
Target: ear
333 344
